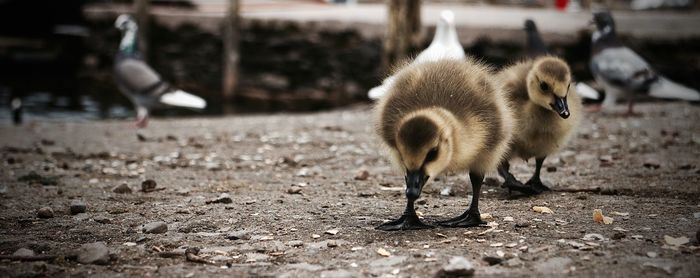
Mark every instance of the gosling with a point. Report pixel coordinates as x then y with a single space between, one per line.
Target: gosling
443 116
547 111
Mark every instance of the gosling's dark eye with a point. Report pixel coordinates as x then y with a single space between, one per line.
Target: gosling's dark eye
432 155
544 86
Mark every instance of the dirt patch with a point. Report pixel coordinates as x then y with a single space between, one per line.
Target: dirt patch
268 229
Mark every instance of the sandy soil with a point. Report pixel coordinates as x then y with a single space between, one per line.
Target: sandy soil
292 178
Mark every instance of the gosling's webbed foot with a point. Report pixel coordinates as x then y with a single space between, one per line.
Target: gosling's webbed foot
405 222
536 185
514 185
467 219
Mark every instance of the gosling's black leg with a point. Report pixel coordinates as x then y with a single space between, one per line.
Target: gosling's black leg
535 183
511 182
471 217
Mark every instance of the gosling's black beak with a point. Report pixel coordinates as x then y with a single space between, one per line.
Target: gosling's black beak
561 107
414 183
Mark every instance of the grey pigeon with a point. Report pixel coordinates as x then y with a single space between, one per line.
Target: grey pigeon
623 73
535 47
139 82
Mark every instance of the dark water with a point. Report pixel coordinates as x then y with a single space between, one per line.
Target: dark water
46 106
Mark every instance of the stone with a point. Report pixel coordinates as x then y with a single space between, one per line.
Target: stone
236 235
492 260
77 206
553 265
666 266
338 273
122 189
93 253
332 244
388 261
103 220
522 224
294 190
24 252
158 227
224 198
362 175
618 236
513 262
593 237
148 185
457 267
45 212
295 243
652 163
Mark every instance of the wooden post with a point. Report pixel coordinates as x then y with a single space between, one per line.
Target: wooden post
142 14
230 52
403 30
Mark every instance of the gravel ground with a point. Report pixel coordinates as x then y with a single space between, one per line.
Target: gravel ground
286 195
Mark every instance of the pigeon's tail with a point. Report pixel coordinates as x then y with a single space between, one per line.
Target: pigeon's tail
183 99
586 91
377 92
664 88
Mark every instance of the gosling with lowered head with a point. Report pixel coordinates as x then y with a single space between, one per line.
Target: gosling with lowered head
443 116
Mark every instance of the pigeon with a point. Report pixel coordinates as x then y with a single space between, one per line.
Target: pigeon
445 45
535 47
16 107
623 73
140 83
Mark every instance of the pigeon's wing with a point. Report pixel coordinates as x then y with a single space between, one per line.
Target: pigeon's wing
136 76
621 67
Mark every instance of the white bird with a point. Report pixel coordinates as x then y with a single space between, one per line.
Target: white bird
140 83
623 73
445 45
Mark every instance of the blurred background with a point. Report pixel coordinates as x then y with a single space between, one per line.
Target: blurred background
295 55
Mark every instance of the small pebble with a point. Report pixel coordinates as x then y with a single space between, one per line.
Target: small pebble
362 175
652 163
103 220
457 267
224 198
618 236
332 231
24 252
148 185
294 190
45 212
652 254
295 243
492 260
122 189
158 227
332 243
77 206
93 253
236 235
522 224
